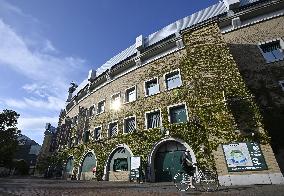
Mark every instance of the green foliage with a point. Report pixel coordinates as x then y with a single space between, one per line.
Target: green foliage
218 101
21 167
8 136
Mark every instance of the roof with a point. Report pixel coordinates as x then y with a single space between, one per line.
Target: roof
189 21
173 28
247 2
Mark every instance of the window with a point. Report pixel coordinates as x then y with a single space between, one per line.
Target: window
173 80
113 129
129 125
272 51
115 102
91 111
178 114
281 83
120 164
130 94
75 120
98 133
151 87
86 136
101 107
153 119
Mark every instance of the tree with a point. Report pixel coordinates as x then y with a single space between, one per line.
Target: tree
8 136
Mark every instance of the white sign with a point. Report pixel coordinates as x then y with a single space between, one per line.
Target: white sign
237 155
135 162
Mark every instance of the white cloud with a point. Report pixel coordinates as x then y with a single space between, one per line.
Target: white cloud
49 73
43 71
48 47
36 123
40 90
35 64
35 127
8 8
14 103
51 103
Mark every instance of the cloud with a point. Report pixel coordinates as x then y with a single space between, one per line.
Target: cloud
51 103
43 72
36 123
48 47
40 90
35 64
14 103
49 73
7 8
35 127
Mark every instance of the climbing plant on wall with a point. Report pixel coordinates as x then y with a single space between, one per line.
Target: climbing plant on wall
220 106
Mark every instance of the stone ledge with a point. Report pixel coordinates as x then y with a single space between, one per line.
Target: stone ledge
232 180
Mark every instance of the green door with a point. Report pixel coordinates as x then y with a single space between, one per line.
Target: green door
89 163
167 161
69 165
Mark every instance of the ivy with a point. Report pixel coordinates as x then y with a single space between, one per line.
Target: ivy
221 108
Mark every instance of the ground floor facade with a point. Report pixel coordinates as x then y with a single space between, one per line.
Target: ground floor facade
236 163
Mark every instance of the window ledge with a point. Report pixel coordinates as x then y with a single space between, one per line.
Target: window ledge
129 102
153 94
173 88
100 113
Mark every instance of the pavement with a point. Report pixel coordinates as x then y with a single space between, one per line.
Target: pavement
54 187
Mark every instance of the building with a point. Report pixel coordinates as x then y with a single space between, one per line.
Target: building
211 83
48 149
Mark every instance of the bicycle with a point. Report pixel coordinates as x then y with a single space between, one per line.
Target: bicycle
203 180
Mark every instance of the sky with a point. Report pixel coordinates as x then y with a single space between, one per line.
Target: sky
44 45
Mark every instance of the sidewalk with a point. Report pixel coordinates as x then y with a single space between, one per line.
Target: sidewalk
38 187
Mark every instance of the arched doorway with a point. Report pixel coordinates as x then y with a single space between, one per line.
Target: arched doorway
165 159
69 167
118 164
87 165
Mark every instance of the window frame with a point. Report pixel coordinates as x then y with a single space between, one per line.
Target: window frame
146 117
94 110
124 123
176 105
94 132
165 79
281 43
103 100
88 139
125 94
145 86
111 99
108 133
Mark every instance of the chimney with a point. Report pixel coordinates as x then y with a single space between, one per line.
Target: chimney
92 75
232 4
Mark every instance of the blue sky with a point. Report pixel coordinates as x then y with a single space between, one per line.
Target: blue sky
44 45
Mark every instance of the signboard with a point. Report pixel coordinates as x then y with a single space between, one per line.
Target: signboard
244 157
135 162
134 168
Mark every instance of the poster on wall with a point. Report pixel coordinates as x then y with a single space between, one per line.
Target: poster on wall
135 162
245 156
134 167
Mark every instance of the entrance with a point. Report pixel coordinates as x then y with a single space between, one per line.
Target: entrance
168 161
69 167
87 166
119 165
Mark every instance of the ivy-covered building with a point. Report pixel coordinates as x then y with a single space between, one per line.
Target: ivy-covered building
211 83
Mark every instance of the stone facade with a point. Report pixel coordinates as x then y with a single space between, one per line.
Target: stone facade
262 78
221 73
